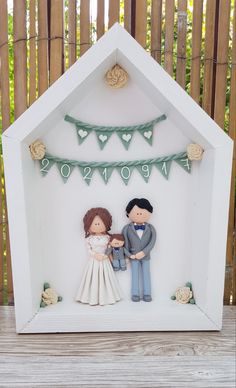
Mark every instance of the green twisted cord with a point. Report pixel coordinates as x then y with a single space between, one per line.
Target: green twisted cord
116 164
91 127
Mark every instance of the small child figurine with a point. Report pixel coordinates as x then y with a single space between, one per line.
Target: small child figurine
118 252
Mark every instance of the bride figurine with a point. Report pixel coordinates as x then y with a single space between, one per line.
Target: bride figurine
99 285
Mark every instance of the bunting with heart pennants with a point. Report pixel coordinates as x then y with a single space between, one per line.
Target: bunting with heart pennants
105 169
125 133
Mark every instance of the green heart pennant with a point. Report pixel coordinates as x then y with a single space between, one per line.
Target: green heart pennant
145 171
125 173
147 134
105 173
125 137
45 165
87 173
65 170
164 168
104 132
103 137
82 133
185 163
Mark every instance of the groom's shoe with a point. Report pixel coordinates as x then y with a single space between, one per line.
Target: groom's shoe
147 298
135 298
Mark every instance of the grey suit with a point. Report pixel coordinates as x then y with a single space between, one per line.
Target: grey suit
135 244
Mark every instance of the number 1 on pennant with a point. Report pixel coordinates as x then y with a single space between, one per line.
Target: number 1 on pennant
164 169
104 173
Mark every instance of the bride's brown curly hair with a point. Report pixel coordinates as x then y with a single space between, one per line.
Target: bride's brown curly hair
100 212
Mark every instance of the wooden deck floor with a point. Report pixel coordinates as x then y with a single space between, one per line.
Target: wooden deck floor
195 359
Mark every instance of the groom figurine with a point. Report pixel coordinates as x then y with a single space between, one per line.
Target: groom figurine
140 238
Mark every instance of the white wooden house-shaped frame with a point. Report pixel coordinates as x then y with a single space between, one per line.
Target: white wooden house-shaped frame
45 215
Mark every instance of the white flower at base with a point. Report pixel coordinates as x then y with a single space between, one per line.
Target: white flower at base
38 150
116 77
183 295
49 296
195 152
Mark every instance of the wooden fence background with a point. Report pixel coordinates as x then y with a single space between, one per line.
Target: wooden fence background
194 40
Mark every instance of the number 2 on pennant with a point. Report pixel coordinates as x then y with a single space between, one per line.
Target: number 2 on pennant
44 164
87 172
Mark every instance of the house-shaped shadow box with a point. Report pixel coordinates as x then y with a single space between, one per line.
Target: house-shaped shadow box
46 213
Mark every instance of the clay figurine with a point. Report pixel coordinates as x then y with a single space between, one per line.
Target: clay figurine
140 238
117 252
98 285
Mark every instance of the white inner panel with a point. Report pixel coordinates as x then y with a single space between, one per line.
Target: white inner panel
61 207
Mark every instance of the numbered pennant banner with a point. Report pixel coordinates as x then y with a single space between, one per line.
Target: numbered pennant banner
125 133
105 169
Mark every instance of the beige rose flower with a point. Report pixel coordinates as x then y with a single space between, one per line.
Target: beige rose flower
38 150
116 77
183 295
195 152
49 296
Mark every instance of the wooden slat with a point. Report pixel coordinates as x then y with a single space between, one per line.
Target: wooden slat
100 18
156 28
56 43
20 70
84 26
231 249
42 46
141 22
222 59
113 12
169 35
127 15
196 50
5 115
208 54
4 69
32 52
72 31
181 43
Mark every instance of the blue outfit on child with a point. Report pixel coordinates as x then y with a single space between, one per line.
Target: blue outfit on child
118 255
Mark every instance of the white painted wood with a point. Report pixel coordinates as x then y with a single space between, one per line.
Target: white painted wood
190 211
124 316
18 232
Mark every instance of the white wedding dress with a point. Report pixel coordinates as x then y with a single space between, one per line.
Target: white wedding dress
98 285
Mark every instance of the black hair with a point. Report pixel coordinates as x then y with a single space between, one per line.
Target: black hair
142 203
